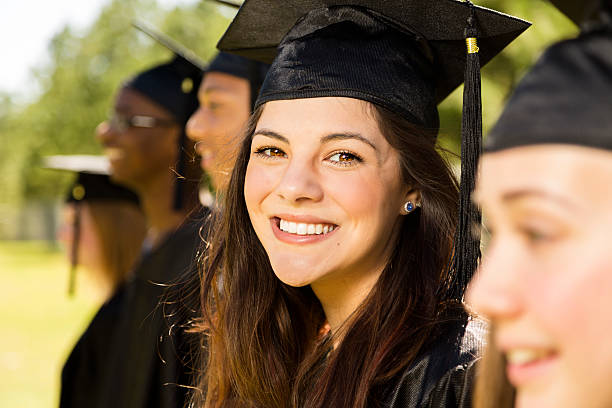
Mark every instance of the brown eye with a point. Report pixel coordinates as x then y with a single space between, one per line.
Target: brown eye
344 158
270 152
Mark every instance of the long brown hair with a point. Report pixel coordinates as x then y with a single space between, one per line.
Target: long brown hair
263 347
121 228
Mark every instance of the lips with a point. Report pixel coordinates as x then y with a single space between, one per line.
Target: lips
526 365
301 230
114 153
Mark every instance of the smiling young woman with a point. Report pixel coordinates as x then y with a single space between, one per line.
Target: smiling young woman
326 282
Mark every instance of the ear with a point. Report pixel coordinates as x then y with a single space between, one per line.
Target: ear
412 200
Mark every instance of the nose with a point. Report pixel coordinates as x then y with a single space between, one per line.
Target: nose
494 292
300 183
105 133
197 126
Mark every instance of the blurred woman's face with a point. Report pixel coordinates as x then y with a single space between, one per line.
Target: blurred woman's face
89 250
324 192
546 278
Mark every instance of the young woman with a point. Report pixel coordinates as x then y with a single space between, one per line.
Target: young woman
546 279
102 233
103 226
327 282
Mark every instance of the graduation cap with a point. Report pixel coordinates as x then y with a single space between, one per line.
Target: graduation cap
241 67
404 55
92 184
566 98
173 85
580 11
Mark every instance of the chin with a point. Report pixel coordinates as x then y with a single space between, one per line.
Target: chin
551 398
295 274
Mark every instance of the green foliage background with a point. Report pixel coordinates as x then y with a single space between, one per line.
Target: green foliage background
86 68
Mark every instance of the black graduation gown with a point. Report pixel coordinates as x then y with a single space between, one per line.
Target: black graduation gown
128 357
443 377
87 363
146 360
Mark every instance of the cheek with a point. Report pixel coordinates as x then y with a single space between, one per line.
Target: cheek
572 300
259 183
365 197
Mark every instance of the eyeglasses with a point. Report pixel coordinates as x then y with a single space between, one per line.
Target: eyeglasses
122 123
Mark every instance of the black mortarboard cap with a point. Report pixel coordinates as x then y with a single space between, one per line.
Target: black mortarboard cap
566 98
580 11
173 85
241 67
92 184
404 55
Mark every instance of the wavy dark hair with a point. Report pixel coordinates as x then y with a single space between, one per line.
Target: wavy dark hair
263 346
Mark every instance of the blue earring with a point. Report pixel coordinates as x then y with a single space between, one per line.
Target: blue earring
408 207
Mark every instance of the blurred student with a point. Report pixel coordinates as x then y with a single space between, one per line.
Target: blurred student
148 151
546 279
227 96
102 231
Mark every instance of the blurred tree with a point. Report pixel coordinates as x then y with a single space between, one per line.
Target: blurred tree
78 85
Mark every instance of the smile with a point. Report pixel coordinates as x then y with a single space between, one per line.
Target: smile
296 231
525 365
114 153
300 228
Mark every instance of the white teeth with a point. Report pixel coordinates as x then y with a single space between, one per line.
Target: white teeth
304 228
525 356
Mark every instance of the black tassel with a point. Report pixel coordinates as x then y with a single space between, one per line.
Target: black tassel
467 240
74 256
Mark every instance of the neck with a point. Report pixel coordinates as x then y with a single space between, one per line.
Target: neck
341 297
156 198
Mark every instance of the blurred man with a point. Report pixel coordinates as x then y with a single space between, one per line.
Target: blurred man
227 95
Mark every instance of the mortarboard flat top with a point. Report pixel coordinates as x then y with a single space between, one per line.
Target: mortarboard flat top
178 50
578 10
259 27
93 181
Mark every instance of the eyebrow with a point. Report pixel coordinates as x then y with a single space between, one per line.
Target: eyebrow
324 139
272 134
215 88
347 136
524 193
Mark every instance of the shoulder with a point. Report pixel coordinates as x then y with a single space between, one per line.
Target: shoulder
443 375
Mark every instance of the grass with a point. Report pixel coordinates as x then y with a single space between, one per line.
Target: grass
40 324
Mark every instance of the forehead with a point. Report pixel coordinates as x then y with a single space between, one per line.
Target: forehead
131 101
319 116
221 82
579 173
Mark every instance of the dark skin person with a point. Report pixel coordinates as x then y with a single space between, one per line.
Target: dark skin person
142 158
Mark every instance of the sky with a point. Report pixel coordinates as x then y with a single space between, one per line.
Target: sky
33 23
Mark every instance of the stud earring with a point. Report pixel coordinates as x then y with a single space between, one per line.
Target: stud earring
408 207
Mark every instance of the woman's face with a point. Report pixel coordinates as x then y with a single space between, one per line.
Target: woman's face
546 278
324 191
